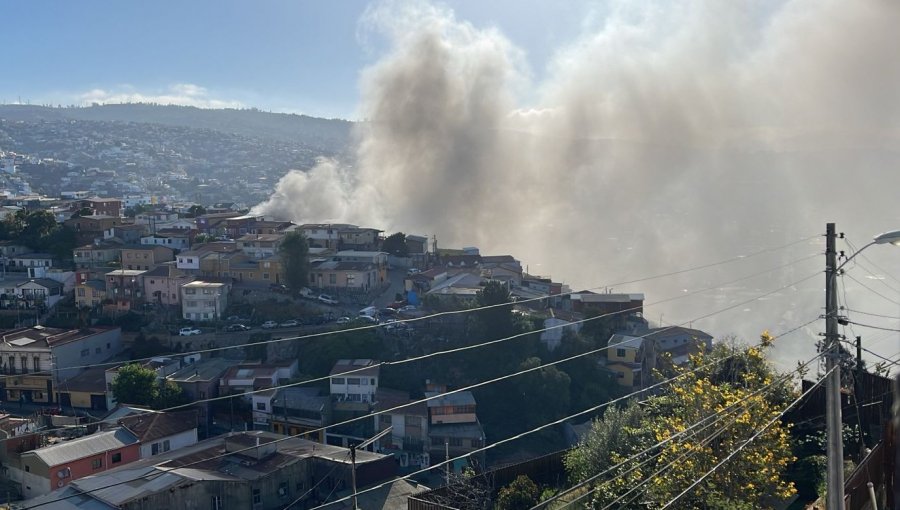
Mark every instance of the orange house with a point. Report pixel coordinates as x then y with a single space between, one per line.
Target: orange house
52 467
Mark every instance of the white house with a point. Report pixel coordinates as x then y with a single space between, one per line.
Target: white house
160 432
203 300
189 260
355 380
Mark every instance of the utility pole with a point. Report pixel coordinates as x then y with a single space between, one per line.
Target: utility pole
834 425
447 458
353 474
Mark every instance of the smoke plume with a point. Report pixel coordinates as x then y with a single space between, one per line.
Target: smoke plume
666 137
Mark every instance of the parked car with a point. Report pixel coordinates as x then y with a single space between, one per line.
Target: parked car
237 327
343 320
269 325
278 287
291 323
411 271
387 311
366 319
188 331
327 299
407 308
305 292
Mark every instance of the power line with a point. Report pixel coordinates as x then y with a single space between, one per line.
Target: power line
557 422
880 270
748 441
873 327
722 414
468 310
523 434
851 310
870 289
491 342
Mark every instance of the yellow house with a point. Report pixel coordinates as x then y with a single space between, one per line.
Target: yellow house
624 358
90 293
259 271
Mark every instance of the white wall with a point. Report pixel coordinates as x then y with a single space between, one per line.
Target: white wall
176 441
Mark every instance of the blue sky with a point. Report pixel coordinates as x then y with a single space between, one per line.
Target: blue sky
290 56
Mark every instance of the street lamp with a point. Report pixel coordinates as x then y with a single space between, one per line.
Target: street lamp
831 352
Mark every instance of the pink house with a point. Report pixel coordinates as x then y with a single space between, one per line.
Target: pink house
53 467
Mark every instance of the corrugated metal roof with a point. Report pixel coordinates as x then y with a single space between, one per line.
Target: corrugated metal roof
84 447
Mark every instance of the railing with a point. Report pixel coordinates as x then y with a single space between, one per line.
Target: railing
856 487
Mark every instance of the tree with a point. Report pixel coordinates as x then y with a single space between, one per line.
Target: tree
294 252
138 385
170 395
521 494
495 321
395 244
84 211
196 210
135 384
753 479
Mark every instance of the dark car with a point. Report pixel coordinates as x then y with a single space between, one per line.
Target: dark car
278 287
237 327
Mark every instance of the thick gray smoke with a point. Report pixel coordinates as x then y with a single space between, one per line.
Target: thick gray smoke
667 137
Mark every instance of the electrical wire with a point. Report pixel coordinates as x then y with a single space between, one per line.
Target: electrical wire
454 312
879 270
523 434
484 383
307 493
851 310
748 441
874 327
722 414
490 342
873 291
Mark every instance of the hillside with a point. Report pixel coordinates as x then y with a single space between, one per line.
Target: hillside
332 133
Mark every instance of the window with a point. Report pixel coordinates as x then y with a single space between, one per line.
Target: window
37 363
152 282
81 292
27 469
355 397
337 380
620 353
265 276
257 497
353 380
97 463
283 489
24 364
12 364
98 350
116 458
455 441
332 278
154 449
202 395
260 406
165 445
364 381
85 353
108 346
372 381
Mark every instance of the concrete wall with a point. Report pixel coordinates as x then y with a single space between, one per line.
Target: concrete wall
176 441
100 347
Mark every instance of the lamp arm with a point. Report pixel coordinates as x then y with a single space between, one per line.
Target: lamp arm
844 263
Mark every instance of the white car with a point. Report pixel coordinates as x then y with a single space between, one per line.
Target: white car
407 308
269 325
328 300
343 320
188 331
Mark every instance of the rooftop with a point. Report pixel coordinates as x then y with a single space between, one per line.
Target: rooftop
75 449
158 425
462 398
43 337
356 367
203 370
